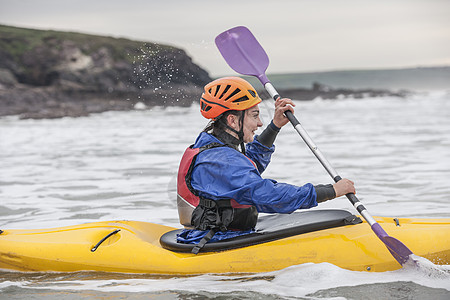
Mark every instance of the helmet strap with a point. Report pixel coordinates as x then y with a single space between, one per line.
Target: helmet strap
241 132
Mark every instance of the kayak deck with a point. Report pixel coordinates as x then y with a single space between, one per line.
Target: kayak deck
136 248
270 228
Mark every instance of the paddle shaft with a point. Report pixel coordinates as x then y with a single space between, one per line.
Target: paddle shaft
322 159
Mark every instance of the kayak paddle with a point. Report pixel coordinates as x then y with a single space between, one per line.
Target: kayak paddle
245 55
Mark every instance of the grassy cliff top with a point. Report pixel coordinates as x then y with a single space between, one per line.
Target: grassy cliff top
17 41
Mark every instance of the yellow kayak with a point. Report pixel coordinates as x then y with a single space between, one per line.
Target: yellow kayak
137 247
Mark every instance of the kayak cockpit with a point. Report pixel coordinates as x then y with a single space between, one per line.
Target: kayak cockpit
270 228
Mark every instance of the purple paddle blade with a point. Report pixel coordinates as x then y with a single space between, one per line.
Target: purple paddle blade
243 53
400 252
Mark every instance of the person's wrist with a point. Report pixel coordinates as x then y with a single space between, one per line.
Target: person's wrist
336 192
274 127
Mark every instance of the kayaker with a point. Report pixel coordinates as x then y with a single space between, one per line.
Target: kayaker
220 188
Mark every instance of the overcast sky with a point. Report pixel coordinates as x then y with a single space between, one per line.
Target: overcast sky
298 35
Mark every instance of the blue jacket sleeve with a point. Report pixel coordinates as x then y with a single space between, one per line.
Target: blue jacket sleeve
222 173
259 154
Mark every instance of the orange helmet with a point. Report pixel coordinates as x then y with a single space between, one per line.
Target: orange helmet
228 93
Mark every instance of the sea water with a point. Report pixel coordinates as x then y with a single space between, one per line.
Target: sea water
123 165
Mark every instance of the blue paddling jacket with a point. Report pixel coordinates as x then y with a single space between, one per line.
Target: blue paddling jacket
225 173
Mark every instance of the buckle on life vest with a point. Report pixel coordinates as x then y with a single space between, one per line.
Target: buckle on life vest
207 203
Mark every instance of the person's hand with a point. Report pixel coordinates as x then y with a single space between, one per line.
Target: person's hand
282 105
343 187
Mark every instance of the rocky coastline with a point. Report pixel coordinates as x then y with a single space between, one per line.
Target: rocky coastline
50 74
326 92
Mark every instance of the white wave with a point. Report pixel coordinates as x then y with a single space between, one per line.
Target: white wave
295 281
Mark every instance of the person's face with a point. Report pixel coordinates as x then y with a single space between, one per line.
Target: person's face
251 123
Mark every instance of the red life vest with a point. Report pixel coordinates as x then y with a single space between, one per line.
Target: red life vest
241 217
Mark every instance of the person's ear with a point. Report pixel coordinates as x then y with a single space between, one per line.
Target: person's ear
233 121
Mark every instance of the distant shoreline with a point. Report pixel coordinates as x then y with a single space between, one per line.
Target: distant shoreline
413 79
49 103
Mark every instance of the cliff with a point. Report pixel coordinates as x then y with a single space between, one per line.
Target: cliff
48 74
